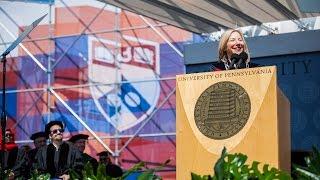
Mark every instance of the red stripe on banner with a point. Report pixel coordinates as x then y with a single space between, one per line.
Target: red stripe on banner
27 104
167 87
41 46
69 77
67 23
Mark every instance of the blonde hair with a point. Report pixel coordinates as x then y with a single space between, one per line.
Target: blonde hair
222 49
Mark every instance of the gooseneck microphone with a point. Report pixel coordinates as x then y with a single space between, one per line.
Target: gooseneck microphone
238 60
243 56
234 59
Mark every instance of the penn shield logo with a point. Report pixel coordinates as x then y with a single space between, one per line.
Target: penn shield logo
122 101
222 110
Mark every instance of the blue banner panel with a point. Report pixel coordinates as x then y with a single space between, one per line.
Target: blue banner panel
299 79
11 103
71 52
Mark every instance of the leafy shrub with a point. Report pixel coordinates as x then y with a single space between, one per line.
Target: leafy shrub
312 171
233 167
146 174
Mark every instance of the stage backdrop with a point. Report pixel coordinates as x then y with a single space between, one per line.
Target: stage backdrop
136 66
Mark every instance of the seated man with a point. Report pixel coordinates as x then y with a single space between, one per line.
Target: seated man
59 156
104 157
79 141
39 140
10 153
112 170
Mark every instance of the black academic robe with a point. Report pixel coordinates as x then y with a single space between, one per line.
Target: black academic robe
15 161
220 66
21 168
24 163
114 170
10 157
87 158
32 155
57 163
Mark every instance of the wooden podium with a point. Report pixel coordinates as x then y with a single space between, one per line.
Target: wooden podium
242 110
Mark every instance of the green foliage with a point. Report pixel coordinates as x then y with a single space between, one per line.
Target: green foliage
35 175
198 177
312 171
7 173
101 171
147 174
42 177
233 167
135 168
88 173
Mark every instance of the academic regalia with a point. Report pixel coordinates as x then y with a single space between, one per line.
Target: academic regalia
10 155
87 158
15 160
13 156
36 135
220 66
57 163
104 157
113 170
21 168
77 137
32 153
26 158
104 153
28 161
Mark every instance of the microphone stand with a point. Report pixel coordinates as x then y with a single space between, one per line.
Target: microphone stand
232 63
3 114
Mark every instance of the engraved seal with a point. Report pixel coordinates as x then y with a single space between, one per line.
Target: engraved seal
222 110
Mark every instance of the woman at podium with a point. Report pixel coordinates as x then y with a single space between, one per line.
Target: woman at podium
233 52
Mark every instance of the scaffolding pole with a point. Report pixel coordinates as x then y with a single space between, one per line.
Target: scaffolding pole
51 89
80 120
147 120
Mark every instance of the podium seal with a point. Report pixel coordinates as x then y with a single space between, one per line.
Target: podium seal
222 110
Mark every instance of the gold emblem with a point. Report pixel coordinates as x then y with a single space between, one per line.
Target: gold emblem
222 110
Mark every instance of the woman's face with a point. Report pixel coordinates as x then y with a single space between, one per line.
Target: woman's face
235 44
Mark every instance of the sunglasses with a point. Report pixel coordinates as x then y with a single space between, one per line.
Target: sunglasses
56 131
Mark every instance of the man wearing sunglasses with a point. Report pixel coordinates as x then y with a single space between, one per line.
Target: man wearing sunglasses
58 157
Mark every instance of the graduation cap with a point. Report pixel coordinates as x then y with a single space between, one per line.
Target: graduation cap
104 153
37 135
52 123
77 137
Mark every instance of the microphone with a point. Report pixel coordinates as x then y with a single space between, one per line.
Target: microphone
234 59
243 56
